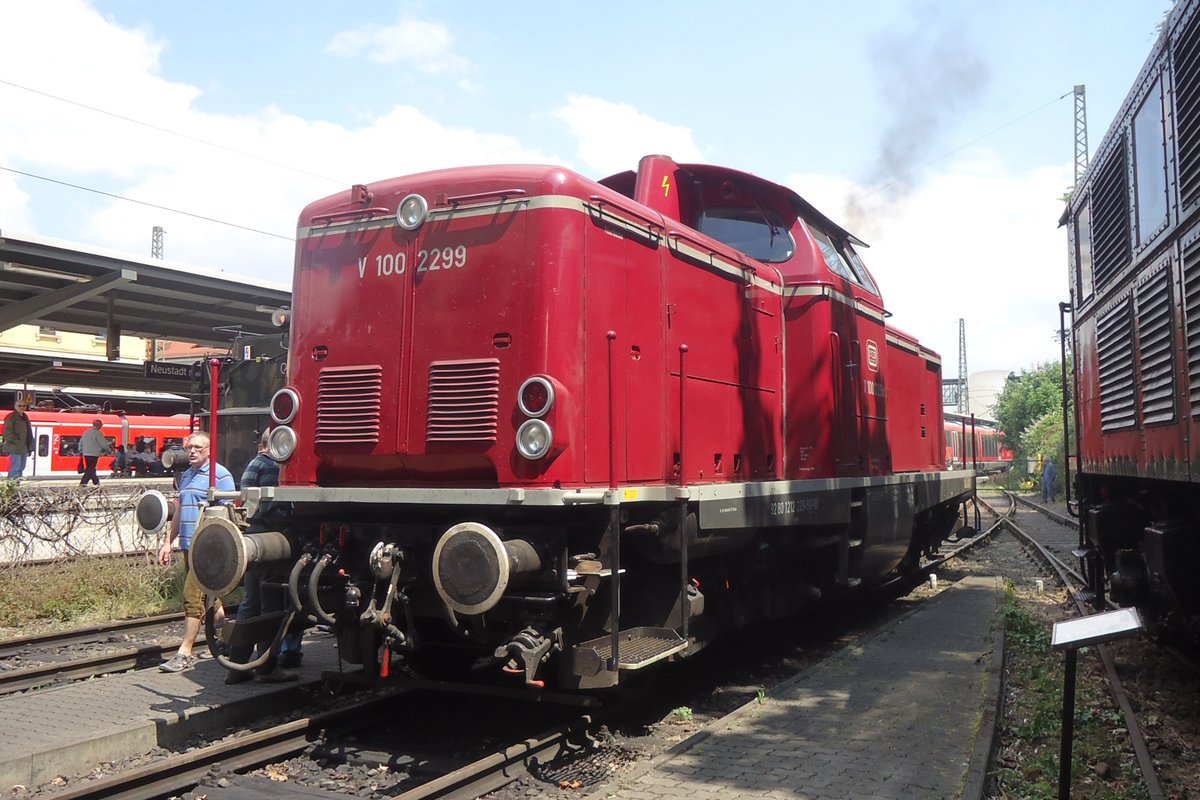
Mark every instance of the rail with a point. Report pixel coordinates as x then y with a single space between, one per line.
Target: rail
1065 575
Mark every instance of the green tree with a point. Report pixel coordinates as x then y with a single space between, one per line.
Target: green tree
1033 398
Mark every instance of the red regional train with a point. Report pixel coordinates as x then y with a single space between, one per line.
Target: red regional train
565 429
1134 231
56 435
984 452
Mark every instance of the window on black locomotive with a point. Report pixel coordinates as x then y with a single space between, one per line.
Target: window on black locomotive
1083 249
759 233
842 261
1150 165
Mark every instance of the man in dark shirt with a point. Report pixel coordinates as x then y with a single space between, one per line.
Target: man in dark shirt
18 439
264 471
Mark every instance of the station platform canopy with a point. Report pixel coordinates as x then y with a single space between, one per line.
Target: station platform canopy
72 287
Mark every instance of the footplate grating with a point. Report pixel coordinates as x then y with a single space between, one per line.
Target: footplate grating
639 647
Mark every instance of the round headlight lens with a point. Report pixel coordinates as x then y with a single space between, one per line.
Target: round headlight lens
411 212
281 444
536 396
284 405
534 439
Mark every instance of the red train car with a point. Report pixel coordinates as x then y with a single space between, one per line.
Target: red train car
977 445
56 436
1134 225
577 427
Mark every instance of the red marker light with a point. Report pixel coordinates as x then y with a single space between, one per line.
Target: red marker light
535 397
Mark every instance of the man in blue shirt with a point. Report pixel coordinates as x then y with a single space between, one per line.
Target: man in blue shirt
193 495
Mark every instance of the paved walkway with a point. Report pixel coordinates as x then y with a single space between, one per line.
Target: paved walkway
69 729
905 714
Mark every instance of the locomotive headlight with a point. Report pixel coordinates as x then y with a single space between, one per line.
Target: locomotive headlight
534 439
536 396
411 212
284 405
281 444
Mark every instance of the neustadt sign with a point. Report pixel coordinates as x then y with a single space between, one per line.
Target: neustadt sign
167 371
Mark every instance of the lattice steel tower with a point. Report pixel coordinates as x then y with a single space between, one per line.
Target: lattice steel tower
1081 148
156 242
962 366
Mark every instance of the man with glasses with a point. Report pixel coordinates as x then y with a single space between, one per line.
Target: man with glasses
193 494
18 439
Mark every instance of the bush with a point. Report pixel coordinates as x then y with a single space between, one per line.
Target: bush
87 589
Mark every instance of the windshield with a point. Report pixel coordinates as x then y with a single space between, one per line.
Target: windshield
843 262
760 235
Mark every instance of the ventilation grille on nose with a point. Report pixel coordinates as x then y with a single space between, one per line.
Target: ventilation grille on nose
348 401
464 401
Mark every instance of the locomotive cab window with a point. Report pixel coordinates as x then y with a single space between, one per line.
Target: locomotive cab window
843 261
757 233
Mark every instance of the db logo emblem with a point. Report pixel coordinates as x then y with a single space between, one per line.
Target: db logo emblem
872 356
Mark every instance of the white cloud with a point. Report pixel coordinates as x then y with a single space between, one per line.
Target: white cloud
973 242
613 136
424 45
117 69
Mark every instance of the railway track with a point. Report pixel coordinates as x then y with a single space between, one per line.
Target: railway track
82 636
223 769
37 660
1052 545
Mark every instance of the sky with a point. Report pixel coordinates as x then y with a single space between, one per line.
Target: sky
939 132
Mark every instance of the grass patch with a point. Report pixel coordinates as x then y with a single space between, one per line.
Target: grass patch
85 590
1103 764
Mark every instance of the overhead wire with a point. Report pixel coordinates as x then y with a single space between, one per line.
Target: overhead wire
171 132
901 178
151 205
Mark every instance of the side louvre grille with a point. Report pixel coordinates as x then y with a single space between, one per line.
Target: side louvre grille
1155 349
1110 216
464 401
1186 58
1191 306
348 400
1114 335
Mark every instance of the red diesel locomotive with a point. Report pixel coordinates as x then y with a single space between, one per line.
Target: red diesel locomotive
578 427
1134 226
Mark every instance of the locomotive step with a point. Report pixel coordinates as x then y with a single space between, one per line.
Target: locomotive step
639 647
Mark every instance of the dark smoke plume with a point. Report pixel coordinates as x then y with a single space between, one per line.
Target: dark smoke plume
926 77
